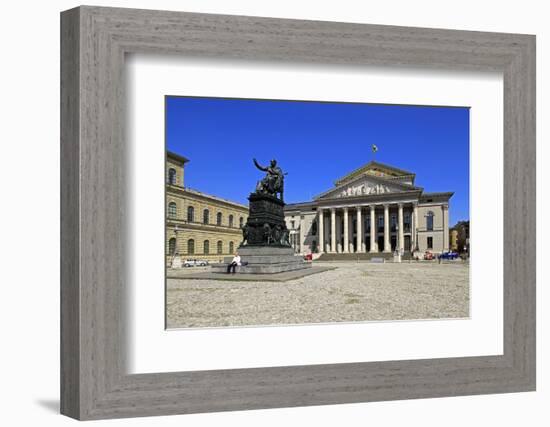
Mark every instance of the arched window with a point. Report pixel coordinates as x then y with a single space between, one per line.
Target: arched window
430 221
219 218
220 247
190 246
172 209
172 176
231 247
206 246
241 222
190 214
172 246
206 216
231 220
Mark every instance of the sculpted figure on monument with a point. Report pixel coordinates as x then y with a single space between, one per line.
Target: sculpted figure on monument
273 181
246 231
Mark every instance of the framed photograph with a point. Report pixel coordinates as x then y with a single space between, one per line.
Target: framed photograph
262 213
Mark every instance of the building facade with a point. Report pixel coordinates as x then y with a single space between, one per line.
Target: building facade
376 209
198 225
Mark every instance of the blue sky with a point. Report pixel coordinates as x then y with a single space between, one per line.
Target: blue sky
316 143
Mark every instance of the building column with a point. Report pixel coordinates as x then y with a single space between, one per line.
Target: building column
416 242
445 228
413 230
321 231
327 234
359 242
301 236
332 230
338 234
387 245
373 232
345 249
400 224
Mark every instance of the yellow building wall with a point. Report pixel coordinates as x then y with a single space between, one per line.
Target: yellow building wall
178 166
197 230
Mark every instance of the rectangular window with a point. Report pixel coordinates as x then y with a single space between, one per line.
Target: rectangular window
407 222
430 242
430 222
393 222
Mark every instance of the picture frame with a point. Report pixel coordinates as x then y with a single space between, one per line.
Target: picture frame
94 379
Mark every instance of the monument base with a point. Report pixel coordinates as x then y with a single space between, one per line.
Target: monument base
264 260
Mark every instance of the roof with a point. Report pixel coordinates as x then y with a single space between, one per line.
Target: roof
172 155
385 171
298 205
438 194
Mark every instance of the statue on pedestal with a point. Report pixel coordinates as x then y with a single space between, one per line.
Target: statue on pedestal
266 248
273 181
266 220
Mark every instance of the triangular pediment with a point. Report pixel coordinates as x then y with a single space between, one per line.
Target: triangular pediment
366 185
380 170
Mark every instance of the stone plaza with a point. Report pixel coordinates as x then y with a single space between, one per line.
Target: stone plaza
350 292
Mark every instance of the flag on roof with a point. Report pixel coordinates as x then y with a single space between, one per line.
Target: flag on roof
374 148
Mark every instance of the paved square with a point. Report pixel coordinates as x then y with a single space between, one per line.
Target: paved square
354 291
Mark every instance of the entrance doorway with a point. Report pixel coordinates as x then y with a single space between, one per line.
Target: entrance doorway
393 240
380 243
407 245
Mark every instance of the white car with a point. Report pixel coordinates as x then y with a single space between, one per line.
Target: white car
195 263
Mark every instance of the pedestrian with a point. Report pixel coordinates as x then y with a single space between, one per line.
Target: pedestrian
234 263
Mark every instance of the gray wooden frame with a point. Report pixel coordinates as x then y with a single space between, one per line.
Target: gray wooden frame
94 382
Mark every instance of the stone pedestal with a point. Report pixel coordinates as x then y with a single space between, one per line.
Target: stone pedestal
265 248
264 260
266 222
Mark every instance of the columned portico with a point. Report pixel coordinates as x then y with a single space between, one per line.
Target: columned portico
387 246
394 225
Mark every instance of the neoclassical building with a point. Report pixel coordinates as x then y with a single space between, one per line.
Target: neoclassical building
375 209
199 225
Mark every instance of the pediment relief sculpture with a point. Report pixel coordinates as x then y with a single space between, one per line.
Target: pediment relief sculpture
364 189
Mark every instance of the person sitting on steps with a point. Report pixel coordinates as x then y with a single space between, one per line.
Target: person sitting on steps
234 263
